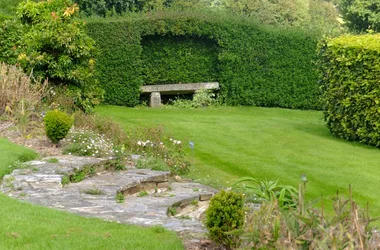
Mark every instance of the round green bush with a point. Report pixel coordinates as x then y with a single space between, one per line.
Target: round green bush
57 125
225 214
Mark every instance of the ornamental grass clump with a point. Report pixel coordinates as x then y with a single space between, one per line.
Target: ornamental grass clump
57 125
307 227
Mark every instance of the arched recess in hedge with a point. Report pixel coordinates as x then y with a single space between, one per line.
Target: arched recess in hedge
257 65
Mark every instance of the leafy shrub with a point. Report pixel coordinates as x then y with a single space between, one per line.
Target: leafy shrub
88 143
224 215
201 99
263 191
57 125
10 40
255 65
350 74
46 39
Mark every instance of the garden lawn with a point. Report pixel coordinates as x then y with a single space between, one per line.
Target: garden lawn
26 226
268 143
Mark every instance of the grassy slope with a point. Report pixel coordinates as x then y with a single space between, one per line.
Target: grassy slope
9 153
267 143
26 226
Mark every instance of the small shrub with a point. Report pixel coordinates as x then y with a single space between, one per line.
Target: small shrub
201 99
57 125
224 215
258 191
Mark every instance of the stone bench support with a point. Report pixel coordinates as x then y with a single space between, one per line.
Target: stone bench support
175 89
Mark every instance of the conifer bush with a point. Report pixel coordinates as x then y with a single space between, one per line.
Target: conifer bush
57 125
225 214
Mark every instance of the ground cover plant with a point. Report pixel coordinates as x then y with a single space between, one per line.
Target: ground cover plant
26 226
268 144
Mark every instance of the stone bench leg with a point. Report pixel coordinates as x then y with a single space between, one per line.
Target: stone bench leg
155 99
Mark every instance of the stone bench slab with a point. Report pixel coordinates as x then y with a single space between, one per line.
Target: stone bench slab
181 88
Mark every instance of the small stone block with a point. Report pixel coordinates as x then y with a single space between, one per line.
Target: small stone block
163 185
205 197
155 99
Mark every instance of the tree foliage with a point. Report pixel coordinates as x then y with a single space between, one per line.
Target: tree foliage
318 15
361 15
47 40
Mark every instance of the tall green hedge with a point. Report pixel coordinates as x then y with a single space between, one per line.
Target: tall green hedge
255 65
118 65
179 59
350 69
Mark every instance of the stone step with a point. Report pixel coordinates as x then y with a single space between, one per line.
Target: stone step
150 199
48 173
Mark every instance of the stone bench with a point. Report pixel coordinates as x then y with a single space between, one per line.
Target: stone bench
175 89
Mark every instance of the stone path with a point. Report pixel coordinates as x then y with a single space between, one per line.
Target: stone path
150 198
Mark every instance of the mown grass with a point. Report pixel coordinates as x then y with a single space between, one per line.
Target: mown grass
10 153
272 144
27 226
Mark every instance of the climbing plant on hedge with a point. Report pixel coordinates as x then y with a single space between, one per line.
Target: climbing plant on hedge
350 73
256 65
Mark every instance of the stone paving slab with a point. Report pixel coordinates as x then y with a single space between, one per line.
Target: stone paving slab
40 183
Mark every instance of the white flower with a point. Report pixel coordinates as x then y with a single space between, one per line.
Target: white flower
178 142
